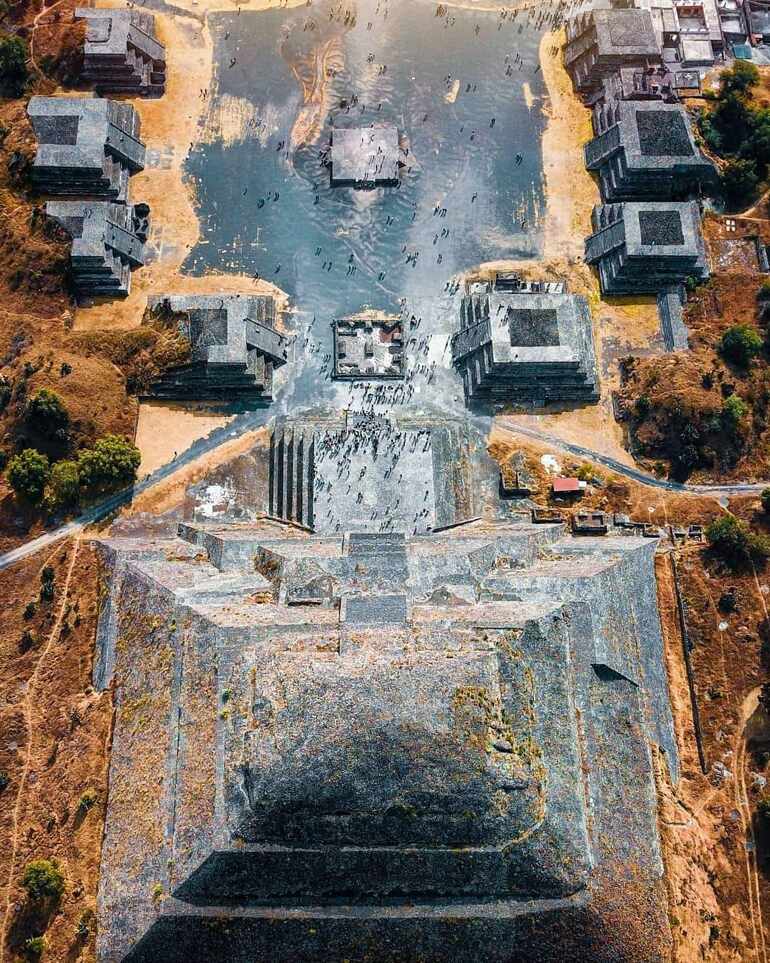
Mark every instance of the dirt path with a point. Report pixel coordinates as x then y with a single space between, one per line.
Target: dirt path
28 710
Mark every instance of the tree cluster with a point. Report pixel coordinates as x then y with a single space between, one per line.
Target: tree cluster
738 131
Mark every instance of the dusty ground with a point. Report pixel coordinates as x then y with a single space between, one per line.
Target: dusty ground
164 429
54 747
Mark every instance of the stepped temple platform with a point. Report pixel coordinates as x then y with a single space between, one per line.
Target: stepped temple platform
646 150
600 42
368 348
107 242
85 146
376 744
122 53
645 247
525 346
342 472
364 156
234 346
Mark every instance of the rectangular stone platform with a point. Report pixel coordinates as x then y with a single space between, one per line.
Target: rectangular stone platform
87 146
523 346
363 156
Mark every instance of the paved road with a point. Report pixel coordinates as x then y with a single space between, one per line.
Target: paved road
255 419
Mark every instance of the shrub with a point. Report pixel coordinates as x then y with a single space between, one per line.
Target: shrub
739 182
763 809
735 543
63 486
28 474
29 610
742 76
87 801
109 465
5 780
765 499
34 947
734 410
86 925
13 62
47 414
763 294
740 344
43 880
47 584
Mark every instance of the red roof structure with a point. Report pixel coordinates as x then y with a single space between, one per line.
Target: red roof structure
566 485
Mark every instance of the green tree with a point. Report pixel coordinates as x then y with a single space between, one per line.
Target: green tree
13 62
63 489
739 182
43 880
734 410
47 414
765 499
735 543
109 465
740 344
742 76
28 474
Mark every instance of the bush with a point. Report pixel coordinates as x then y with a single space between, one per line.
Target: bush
28 474
109 465
740 344
765 499
763 810
734 410
5 780
47 584
735 543
34 947
764 291
43 880
739 182
87 801
13 62
46 414
63 486
742 76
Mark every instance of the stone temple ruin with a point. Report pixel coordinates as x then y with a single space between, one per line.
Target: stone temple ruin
646 150
381 744
87 146
107 242
234 346
90 148
526 346
365 156
600 42
368 347
122 53
646 246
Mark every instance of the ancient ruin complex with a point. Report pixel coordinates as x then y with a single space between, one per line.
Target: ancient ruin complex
338 739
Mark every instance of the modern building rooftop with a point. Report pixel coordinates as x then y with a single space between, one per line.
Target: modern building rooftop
122 53
435 745
644 247
234 347
87 146
646 150
525 347
365 156
368 347
107 242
